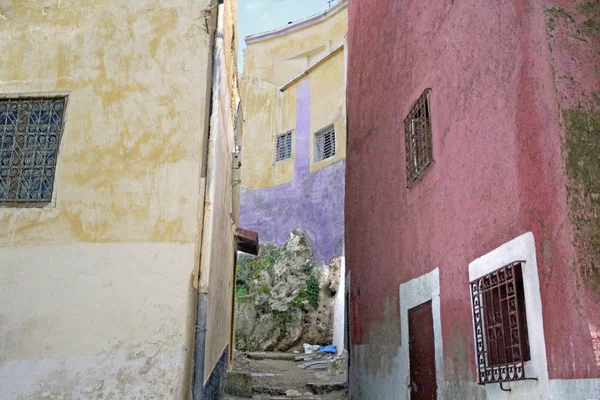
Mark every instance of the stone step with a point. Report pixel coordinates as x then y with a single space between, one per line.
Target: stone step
271 356
322 388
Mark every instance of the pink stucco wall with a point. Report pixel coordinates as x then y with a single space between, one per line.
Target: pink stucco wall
501 74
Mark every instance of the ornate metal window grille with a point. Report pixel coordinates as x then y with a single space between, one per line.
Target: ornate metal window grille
325 143
283 146
30 132
417 129
501 339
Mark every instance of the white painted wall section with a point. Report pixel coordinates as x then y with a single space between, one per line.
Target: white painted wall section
521 249
413 293
339 323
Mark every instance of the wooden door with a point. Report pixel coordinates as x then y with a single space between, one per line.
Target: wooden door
423 385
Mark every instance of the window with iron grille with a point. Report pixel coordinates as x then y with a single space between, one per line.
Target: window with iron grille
417 128
325 143
283 146
30 133
501 339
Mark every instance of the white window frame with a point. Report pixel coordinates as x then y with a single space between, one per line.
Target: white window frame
412 294
323 132
520 249
291 135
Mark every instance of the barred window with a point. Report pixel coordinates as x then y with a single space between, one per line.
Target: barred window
325 143
283 146
501 338
30 133
417 128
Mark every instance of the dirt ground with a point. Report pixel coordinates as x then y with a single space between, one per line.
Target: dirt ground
273 378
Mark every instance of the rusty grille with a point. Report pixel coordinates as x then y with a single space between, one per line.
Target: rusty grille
417 128
501 340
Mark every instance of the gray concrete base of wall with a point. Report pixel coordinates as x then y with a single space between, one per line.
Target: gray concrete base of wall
214 384
238 384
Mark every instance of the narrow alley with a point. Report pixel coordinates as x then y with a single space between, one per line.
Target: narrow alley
300 199
272 376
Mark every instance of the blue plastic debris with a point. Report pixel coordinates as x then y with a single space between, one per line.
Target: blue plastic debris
328 349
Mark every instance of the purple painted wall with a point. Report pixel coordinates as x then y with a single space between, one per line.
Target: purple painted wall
312 202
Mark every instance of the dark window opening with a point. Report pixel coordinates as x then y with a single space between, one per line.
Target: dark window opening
283 146
325 143
500 321
30 133
417 129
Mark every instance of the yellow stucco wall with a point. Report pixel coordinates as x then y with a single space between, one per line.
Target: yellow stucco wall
278 59
268 113
127 70
268 90
328 106
218 243
96 291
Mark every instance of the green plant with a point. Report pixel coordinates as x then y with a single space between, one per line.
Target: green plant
312 289
264 263
241 290
307 268
264 290
310 294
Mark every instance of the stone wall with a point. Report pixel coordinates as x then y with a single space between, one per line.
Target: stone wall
284 297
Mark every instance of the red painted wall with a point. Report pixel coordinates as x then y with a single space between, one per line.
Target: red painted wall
497 101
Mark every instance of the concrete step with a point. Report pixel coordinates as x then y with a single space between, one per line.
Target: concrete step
271 356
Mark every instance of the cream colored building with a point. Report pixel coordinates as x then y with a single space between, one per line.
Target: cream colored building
117 197
276 63
294 94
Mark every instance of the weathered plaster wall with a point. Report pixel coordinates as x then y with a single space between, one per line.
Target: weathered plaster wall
314 204
218 243
283 55
296 193
267 113
573 29
97 298
313 200
91 321
327 93
498 95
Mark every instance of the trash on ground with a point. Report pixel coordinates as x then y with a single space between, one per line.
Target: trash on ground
322 364
328 349
311 348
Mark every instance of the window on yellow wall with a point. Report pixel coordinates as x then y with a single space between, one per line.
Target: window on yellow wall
283 146
324 140
30 133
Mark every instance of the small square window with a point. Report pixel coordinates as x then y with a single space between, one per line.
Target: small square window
500 321
283 146
30 133
325 143
417 128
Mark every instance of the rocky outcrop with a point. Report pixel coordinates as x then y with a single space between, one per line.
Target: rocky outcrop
284 297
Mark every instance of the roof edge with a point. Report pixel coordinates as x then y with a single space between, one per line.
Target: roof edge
306 22
310 68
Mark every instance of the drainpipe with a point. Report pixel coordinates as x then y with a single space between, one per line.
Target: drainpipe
200 345
207 172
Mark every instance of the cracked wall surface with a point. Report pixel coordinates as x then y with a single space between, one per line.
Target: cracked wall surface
514 129
96 294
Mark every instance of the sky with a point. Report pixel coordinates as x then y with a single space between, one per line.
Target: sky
255 16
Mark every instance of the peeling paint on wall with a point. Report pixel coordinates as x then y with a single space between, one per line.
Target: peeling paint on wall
96 288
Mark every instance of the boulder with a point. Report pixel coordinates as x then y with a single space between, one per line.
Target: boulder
288 297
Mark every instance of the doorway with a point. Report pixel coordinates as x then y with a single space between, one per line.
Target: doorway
423 383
